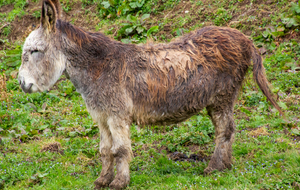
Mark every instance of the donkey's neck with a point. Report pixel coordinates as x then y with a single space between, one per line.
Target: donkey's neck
92 58
85 53
76 41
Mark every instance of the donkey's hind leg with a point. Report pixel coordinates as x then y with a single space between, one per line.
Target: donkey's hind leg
121 150
107 158
224 132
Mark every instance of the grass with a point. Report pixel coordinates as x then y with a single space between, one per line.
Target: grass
269 161
266 147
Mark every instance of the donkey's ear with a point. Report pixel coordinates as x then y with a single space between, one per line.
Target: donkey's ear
49 16
57 7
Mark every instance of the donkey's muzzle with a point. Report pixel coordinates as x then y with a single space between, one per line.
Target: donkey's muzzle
26 88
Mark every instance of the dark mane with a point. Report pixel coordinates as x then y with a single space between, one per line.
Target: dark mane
80 36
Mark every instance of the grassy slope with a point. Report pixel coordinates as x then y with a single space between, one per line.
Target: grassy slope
266 150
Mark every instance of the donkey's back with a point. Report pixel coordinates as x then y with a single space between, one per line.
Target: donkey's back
175 81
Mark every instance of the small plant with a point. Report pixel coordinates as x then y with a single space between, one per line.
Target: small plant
199 3
66 6
20 4
134 31
6 30
222 17
180 31
16 12
270 34
292 20
67 88
87 2
113 8
37 14
10 59
283 64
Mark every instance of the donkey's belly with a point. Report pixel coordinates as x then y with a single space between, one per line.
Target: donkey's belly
166 113
163 118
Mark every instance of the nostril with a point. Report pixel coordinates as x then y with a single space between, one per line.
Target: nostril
30 85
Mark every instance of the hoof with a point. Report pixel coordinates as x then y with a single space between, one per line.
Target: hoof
208 171
102 182
118 184
220 167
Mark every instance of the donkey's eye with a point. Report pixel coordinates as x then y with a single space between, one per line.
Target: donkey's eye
34 51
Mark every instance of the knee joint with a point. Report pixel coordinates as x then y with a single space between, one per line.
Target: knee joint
122 153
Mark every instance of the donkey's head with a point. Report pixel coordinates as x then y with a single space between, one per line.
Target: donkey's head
42 59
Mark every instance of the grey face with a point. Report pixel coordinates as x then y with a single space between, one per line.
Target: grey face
42 62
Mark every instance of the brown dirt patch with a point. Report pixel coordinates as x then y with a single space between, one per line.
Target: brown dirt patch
178 156
6 8
259 131
84 18
21 28
52 147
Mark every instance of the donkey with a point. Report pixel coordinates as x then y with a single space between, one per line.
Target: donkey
149 84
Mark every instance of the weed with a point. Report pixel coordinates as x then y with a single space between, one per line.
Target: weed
88 2
199 3
134 31
6 30
222 17
66 6
284 59
10 59
113 8
37 14
292 20
270 34
16 12
180 31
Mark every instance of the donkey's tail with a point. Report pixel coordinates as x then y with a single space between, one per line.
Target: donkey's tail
260 78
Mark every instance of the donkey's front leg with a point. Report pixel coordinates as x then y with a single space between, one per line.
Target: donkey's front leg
121 150
107 158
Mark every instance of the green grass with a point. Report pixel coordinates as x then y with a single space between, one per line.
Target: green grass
18 10
259 162
266 147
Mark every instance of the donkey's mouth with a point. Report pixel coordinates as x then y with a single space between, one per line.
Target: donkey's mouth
26 89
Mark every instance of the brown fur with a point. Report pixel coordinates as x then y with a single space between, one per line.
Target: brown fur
151 84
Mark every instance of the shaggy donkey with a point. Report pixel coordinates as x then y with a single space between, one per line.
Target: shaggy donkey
156 84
